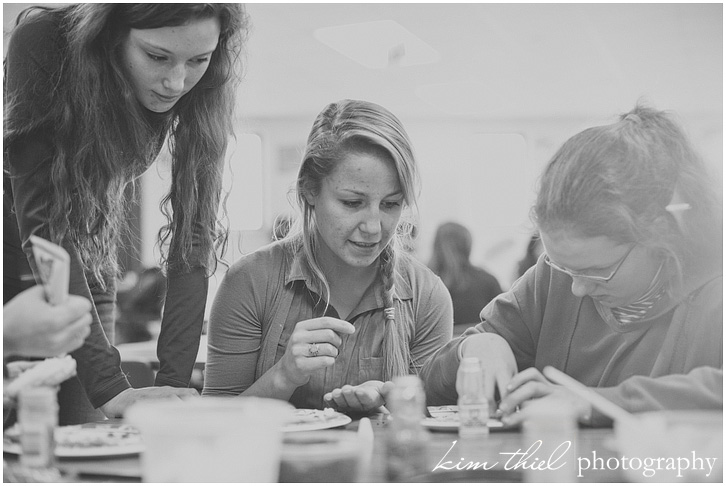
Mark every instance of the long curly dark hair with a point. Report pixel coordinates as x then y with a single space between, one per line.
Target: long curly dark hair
103 141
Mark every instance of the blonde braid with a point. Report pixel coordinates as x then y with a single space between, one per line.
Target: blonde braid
395 344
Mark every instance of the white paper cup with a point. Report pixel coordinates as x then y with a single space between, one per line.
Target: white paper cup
326 456
211 439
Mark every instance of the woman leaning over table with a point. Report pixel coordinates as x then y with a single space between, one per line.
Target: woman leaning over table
92 91
627 297
332 312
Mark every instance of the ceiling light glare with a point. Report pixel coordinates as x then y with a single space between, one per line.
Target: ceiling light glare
377 45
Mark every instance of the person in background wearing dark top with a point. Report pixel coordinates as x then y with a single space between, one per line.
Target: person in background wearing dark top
328 315
92 91
534 250
471 287
628 296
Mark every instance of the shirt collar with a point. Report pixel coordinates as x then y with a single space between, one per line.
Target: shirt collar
298 271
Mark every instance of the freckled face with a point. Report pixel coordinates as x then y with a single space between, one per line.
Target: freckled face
357 210
600 256
166 63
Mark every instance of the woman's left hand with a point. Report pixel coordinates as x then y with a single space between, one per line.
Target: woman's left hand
361 398
530 384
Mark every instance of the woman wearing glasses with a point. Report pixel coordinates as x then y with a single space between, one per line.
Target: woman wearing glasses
627 297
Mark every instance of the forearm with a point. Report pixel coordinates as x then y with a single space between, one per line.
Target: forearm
439 374
99 363
273 384
181 327
701 388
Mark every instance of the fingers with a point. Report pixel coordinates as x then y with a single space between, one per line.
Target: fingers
337 325
75 335
74 309
360 398
313 345
530 374
386 389
527 391
76 305
322 336
314 350
343 398
186 393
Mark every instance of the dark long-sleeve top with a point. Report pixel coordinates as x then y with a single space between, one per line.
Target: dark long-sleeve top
470 299
670 360
33 64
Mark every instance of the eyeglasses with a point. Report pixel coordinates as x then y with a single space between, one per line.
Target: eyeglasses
595 278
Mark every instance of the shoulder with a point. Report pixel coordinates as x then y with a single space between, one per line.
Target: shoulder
263 261
39 36
33 64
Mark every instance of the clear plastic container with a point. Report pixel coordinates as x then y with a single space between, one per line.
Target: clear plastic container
406 438
211 439
472 402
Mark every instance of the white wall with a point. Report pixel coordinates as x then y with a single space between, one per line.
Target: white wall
490 191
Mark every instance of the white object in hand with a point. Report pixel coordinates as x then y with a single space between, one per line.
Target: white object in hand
365 439
601 403
53 264
49 372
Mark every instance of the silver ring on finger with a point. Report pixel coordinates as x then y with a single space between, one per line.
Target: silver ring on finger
313 350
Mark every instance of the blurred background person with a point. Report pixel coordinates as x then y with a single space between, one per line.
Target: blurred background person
471 287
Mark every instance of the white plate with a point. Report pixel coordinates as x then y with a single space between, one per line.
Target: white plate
324 420
12 446
453 424
446 417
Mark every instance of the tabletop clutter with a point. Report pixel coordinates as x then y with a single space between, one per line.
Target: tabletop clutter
252 439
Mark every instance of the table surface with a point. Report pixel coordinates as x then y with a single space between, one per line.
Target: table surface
146 351
504 453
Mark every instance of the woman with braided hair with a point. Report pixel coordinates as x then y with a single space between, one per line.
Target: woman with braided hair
328 315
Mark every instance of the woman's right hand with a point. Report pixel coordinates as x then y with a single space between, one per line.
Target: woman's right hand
497 361
313 345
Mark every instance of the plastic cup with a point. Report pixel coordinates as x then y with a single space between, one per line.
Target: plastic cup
327 456
211 439
683 440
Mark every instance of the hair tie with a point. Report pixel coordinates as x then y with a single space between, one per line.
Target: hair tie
675 207
390 313
633 118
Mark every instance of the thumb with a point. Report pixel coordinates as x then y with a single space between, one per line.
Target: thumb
75 306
